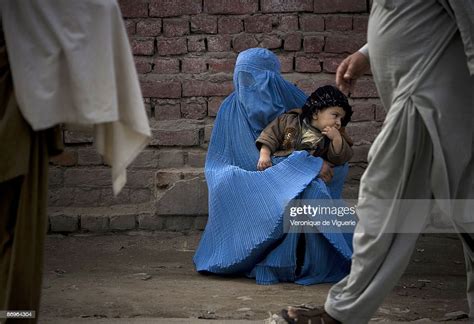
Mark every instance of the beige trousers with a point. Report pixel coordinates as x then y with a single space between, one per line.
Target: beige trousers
424 150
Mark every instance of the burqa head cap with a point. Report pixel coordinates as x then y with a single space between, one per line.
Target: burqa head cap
260 58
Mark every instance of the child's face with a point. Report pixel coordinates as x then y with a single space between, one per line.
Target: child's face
331 116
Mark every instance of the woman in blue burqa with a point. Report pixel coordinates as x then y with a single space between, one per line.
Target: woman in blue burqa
244 233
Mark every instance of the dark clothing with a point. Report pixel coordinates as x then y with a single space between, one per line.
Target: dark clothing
23 201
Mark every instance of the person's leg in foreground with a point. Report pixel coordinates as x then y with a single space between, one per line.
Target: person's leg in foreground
420 78
23 202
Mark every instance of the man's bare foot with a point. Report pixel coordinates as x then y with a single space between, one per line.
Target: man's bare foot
305 314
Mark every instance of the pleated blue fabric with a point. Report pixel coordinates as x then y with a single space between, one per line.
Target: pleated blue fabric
244 233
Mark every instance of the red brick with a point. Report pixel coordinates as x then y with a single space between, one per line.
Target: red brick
196 44
270 42
225 65
363 111
161 89
124 222
207 133
86 197
355 172
243 42
172 46
166 66
365 89
309 85
360 153
286 62
93 223
167 110
286 5
142 66
179 137
292 42
326 6
166 178
143 46
307 64
192 109
196 159
88 156
233 7
338 23
360 23
138 196
363 132
230 25
343 44
67 158
78 136
149 27
313 44
61 222
107 197
148 107
311 23
140 178
133 8
175 27
198 88
204 24
146 159
330 64
170 159
258 24
380 113
193 65
213 105
130 26
170 8
87 177
219 43
150 222
288 23
60 197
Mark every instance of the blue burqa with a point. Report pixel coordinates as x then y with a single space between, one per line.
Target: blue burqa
244 233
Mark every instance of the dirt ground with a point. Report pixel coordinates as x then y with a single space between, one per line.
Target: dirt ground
140 275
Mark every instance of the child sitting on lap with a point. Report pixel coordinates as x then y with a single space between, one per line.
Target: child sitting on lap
319 128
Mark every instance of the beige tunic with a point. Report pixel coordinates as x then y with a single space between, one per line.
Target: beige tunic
71 63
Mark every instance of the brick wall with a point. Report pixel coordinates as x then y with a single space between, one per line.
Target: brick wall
185 51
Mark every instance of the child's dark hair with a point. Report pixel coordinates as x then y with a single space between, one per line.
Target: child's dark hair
324 97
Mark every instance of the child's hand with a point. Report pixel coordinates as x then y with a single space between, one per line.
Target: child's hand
263 163
331 132
326 173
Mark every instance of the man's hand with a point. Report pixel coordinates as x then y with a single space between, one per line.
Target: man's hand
352 68
326 173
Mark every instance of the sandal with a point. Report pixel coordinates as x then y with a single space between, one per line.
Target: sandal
308 315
